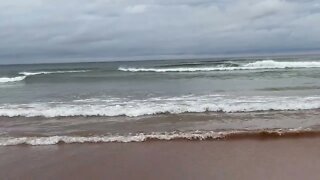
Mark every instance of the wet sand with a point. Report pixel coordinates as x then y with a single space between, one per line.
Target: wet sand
244 158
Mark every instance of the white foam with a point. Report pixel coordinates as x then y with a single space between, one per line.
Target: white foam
151 106
141 137
50 72
105 139
265 64
270 64
11 79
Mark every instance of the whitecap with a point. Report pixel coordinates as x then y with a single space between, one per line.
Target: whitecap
51 72
265 64
11 79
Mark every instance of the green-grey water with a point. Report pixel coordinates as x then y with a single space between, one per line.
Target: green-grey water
114 97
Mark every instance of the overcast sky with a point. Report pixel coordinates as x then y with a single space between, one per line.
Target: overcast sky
87 30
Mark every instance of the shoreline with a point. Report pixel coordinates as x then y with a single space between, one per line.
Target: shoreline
161 137
244 158
166 124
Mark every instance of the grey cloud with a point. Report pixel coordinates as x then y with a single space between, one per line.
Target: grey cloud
62 30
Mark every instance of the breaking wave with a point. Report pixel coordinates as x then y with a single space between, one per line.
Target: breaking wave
24 75
12 79
265 64
50 72
159 105
141 137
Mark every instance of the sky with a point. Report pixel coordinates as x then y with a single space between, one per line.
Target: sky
44 31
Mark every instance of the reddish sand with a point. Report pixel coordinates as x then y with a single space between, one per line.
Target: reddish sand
277 158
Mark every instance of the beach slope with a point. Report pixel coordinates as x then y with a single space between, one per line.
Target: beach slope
245 158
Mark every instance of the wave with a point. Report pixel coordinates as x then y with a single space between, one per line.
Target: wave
180 64
50 72
265 64
11 79
141 137
26 74
159 105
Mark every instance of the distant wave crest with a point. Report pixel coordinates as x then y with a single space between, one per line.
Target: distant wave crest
12 79
24 75
50 72
265 64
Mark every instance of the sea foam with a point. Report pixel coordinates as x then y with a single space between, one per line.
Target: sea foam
159 105
141 137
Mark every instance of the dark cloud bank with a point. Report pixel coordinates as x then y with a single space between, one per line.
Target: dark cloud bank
60 30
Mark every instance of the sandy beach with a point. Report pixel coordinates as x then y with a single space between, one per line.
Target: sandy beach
243 158
160 90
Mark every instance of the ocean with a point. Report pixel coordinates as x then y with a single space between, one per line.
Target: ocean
135 101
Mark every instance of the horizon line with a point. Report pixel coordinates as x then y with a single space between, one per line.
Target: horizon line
166 57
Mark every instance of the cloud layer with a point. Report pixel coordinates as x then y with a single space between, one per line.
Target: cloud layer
42 30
